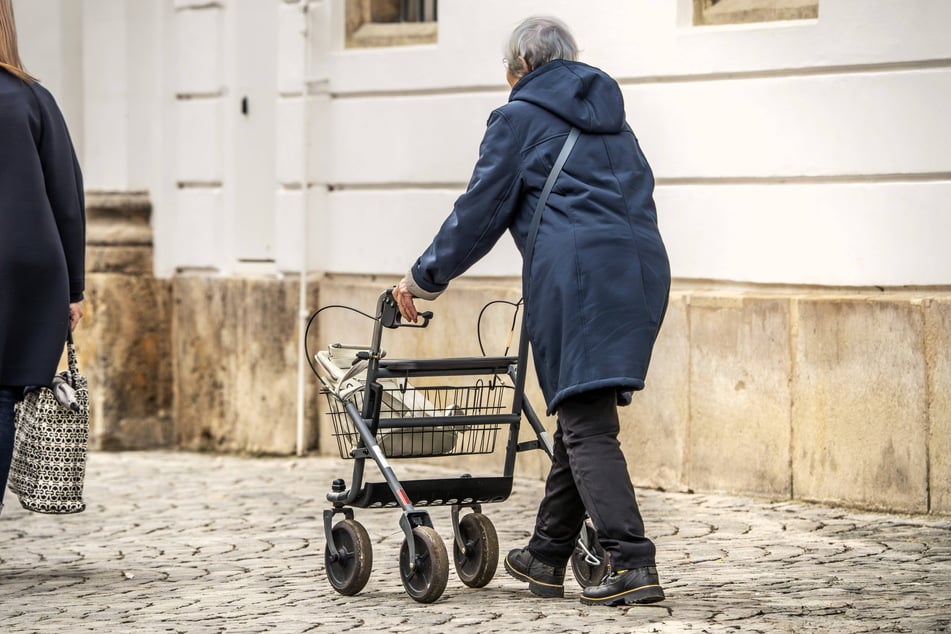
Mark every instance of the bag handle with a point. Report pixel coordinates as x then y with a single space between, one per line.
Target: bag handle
73 359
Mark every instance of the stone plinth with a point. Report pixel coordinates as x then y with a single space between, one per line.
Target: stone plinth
124 341
123 346
118 233
938 357
235 354
860 404
654 428
785 393
739 394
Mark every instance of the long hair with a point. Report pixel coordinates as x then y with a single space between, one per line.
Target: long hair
9 52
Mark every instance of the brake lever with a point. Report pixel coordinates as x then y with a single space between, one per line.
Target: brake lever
426 315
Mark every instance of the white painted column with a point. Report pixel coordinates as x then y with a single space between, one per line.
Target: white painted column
302 121
198 173
121 94
248 145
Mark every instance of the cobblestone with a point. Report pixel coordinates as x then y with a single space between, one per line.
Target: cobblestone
195 543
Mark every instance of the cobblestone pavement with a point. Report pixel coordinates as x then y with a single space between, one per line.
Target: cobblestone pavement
184 542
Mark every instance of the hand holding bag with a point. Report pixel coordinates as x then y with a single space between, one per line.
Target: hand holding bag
52 436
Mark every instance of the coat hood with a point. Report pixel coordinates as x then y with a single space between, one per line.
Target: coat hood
582 95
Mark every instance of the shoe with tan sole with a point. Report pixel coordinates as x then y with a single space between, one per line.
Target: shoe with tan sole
543 579
625 587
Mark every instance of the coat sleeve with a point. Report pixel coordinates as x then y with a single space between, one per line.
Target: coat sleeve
479 217
64 189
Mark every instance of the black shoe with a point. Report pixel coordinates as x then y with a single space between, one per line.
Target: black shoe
638 585
543 580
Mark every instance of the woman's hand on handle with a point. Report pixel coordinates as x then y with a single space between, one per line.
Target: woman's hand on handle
404 300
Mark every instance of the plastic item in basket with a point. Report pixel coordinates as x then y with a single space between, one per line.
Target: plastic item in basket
346 379
426 441
421 441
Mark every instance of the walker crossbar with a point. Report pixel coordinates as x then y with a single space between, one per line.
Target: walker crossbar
437 492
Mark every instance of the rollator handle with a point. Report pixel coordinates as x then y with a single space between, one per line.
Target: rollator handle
390 316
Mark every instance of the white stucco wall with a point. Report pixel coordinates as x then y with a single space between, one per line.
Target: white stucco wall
808 152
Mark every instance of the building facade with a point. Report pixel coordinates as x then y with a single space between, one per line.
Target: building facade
803 188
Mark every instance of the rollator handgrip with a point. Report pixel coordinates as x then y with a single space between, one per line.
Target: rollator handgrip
390 313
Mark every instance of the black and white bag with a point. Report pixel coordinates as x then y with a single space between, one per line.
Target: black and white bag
49 452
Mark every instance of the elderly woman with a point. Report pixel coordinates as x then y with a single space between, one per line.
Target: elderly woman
42 235
595 294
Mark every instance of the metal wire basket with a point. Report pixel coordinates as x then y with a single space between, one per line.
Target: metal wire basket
421 422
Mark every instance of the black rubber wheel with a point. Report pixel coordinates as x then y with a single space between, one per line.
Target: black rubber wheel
349 571
477 566
589 568
426 581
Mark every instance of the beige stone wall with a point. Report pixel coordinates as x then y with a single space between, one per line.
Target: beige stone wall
938 365
860 404
784 393
807 394
235 357
739 394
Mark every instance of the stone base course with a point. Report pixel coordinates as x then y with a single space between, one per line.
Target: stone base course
235 358
797 394
833 397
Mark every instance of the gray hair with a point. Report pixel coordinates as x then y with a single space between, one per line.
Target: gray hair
536 41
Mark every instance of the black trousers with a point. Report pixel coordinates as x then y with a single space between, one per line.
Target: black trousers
589 474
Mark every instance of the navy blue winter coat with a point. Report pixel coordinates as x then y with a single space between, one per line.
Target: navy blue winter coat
42 232
600 278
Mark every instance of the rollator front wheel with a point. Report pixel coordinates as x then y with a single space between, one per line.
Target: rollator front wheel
477 565
589 561
348 570
425 579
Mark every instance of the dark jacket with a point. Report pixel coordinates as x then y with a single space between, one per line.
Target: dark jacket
42 232
599 279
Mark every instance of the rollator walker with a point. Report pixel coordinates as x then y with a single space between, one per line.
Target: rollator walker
385 410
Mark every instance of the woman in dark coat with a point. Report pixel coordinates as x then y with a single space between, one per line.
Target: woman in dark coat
42 235
596 293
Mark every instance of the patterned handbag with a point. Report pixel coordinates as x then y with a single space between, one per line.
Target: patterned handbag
49 452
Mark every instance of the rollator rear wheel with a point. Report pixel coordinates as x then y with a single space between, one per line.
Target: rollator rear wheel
426 581
589 561
349 571
477 565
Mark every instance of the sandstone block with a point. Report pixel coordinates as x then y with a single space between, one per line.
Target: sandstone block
938 357
124 348
739 395
654 427
860 404
236 364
